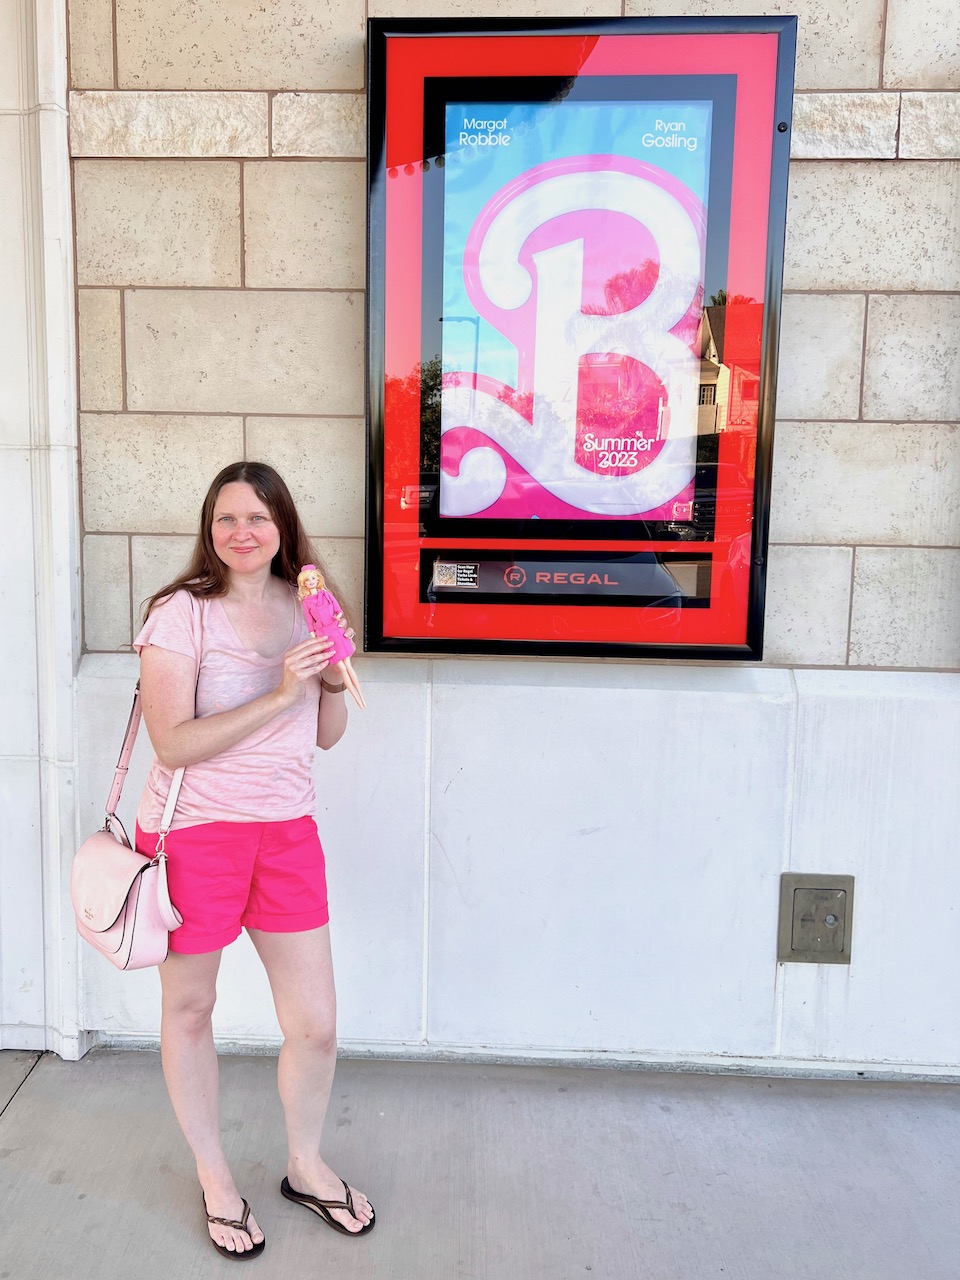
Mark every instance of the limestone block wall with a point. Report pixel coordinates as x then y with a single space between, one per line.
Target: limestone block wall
219 204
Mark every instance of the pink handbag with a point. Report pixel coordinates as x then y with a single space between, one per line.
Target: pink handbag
120 897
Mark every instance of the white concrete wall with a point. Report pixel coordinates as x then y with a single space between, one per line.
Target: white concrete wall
584 858
39 589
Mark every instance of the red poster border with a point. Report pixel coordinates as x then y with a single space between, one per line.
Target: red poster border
722 629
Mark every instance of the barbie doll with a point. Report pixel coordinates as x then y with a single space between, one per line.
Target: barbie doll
325 618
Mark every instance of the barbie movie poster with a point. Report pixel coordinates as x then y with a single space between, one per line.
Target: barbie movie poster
573 285
575 258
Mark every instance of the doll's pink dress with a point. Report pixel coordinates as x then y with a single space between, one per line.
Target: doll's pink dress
320 611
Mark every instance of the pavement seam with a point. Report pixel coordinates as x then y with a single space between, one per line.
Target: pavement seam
20 1086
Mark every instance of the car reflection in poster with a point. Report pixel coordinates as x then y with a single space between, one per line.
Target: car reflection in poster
574 237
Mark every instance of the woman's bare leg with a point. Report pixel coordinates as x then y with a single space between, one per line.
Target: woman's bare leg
300 970
190 1069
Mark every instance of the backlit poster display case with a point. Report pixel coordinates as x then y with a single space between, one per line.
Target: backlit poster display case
575 259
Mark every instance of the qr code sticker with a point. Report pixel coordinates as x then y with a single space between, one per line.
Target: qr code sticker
455 574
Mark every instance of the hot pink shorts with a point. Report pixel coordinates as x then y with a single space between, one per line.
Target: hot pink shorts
225 876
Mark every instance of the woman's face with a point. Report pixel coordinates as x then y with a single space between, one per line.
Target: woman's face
244 535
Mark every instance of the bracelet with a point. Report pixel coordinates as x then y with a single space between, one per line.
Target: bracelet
331 688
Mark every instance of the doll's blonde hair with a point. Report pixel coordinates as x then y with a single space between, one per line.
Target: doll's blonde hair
309 571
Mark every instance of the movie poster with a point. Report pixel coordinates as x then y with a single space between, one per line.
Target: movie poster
576 238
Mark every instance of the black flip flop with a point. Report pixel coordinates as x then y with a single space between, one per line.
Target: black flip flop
322 1208
236 1254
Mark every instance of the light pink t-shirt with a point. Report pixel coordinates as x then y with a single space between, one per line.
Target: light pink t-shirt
266 777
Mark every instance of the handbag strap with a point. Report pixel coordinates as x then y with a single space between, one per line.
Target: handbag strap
123 765
126 751
168 809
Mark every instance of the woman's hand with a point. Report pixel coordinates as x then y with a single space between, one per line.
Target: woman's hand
168 683
300 663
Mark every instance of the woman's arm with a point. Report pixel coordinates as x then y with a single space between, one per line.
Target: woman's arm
331 718
168 685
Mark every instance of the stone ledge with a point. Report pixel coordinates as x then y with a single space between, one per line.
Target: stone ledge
320 124
845 126
930 126
160 125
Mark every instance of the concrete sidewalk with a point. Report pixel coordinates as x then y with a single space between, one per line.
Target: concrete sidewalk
490 1173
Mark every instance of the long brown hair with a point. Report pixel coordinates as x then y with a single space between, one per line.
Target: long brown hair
206 574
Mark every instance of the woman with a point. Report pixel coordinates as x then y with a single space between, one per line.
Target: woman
233 690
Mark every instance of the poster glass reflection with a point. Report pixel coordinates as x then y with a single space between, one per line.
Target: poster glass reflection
576 236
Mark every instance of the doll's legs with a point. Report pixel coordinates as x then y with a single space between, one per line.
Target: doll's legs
189 1057
345 667
300 971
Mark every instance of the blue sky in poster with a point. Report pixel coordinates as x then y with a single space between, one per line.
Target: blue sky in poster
538 132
